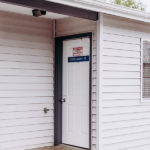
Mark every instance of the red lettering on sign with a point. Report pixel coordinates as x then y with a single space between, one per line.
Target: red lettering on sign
78 51
78 48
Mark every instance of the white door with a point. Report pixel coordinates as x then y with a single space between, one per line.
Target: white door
76 92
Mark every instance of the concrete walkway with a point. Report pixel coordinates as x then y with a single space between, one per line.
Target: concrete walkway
61 147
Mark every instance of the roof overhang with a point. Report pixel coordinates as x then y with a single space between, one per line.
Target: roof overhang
87 9
52 6
5 7
108 8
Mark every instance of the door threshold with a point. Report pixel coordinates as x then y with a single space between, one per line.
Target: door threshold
61 147
70 147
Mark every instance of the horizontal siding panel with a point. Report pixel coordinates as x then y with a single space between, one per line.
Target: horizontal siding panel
25 44
94 88
21 79
27 121
124 146
29 93
25 51
27 128
121 95
73 25
126 116
123 110
128 137
120 75
93 125
24 72
128 26
125 138
120 60
93 119
23 58
75 30
23 108
94 103
126 124
137 142
122 32
116 89
19 87
94 66
26 100
34 36
122 103
121 82
72 22
26 142
126 131
119 67
21 30
77 25
122 46
121 53
35 113
145 146
22 136
115 37
25 65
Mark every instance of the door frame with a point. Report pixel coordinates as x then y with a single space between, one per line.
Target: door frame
58 85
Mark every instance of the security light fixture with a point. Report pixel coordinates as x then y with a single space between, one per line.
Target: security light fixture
37 12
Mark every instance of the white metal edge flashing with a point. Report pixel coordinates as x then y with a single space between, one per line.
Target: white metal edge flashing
108 8
99 78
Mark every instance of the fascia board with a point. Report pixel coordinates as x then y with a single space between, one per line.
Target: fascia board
108 8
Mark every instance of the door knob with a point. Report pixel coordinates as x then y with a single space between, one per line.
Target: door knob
63 100
45 110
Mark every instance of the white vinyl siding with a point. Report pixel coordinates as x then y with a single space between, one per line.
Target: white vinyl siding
70 26
26 82
126 120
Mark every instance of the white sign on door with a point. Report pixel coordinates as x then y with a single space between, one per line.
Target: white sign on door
78 51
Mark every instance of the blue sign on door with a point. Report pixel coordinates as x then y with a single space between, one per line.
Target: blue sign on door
78 59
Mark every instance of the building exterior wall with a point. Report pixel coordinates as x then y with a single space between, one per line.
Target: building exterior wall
26 82
71 26
126 121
